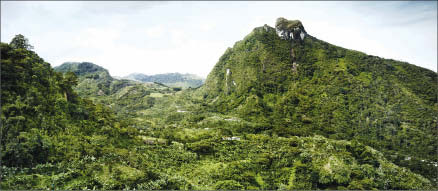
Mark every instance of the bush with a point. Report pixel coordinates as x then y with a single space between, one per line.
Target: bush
228 185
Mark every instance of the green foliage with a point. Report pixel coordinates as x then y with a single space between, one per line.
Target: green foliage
228 185
30 148
19 41
300 177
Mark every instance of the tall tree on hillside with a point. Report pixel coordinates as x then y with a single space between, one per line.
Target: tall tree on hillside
70 80
19 41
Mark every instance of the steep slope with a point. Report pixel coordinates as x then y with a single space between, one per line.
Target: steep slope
169 79
295 84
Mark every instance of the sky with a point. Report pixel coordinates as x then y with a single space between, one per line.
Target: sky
189 37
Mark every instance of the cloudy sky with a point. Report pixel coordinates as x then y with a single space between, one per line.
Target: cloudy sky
189 37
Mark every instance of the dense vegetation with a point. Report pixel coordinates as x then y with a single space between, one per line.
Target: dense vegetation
49 134
170 79
276 112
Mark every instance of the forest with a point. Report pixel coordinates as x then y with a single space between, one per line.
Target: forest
280 110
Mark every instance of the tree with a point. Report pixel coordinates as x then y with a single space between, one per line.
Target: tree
69 81
19 41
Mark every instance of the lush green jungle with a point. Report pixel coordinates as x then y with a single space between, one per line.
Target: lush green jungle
281 110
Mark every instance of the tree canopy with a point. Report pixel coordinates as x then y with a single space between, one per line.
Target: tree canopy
19 41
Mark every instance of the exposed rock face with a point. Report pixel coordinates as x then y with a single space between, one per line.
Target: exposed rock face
227 80
290 29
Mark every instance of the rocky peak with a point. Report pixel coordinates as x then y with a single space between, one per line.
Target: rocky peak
290 29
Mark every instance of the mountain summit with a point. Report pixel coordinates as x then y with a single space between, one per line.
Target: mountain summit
83 69
296 84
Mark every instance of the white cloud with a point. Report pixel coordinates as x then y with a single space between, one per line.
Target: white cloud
96 38
206 27
155 31
178 37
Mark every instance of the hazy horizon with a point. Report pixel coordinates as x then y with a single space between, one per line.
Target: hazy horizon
189 37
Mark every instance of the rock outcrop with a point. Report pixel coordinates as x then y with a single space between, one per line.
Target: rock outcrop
294 31
290 29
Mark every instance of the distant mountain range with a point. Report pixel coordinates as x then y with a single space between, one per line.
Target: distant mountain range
169 79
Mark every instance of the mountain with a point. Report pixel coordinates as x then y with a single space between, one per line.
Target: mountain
169 79
298 85
84 68
93 79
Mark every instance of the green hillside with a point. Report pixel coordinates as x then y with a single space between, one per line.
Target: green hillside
50 136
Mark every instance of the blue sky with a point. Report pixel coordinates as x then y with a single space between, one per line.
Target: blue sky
189 37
